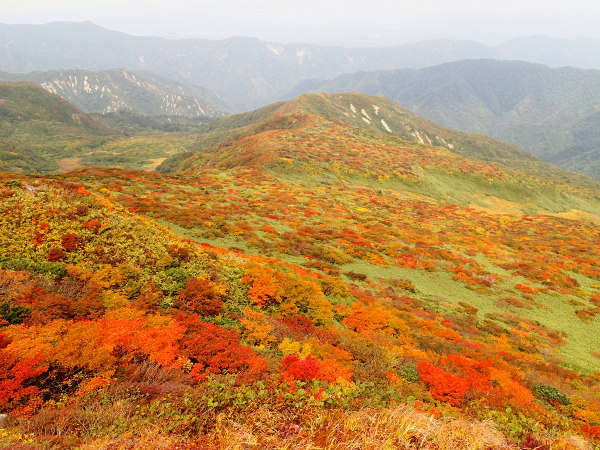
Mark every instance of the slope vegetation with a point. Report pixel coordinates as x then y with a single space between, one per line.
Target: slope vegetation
35 127
300 282
550 112
361 131
41 132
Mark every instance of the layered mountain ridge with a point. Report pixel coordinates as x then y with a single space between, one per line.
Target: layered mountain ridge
113 90
550 112
246 73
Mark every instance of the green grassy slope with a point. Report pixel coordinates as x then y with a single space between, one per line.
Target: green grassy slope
40 127
41 132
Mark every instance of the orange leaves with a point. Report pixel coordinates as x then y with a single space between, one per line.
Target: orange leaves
333 371
257 329
262 291
83 191
524 288
446 333
367 318
511 390
94 344
98 382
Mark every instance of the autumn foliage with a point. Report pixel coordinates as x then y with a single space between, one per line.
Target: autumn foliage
201 296
291 304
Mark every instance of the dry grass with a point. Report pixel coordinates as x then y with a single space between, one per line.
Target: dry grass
116 426
391 428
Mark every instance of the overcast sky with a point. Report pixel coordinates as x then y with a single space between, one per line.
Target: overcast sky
349 22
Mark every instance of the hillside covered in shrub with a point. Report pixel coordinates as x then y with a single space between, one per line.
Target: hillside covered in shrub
299 282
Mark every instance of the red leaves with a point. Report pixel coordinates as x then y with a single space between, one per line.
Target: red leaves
92 225
70 241
301 369
13 374
297 327
56 254
214 349
295 369
200 296
592 430
366 318
444 386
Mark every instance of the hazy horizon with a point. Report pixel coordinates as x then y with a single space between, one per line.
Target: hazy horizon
374 23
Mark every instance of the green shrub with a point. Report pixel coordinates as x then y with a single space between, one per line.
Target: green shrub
551 395
409 373
13 314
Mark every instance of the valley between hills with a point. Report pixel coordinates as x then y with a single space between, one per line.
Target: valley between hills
330 271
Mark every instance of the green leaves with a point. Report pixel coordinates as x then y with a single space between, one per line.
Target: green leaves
551 395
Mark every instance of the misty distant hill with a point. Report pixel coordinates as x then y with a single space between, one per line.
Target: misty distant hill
554 52
551 112
113 90
244 72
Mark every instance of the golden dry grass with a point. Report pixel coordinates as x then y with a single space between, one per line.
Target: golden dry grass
391 428
117 427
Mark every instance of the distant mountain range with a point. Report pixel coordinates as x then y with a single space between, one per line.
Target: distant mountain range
113 90
554 113
248 73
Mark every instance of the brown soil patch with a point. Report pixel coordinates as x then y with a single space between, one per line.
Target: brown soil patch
68 164
154 164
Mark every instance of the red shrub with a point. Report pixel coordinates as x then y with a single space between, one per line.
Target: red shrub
298 326
56 254
69 242
443 385
200 296
301 369
92 225
13 373
592 430
214 349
